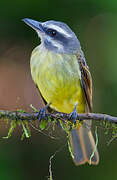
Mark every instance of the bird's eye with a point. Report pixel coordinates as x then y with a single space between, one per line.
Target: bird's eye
51 32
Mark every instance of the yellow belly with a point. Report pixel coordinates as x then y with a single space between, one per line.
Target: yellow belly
58 79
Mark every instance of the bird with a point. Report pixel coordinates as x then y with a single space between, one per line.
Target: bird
62 76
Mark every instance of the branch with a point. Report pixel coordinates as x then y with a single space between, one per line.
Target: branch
17 115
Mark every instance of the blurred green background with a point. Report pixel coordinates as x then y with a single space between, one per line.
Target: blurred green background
95 24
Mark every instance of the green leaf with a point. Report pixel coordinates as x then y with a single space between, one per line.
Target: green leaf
43 124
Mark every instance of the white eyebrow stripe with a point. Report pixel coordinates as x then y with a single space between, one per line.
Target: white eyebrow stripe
59 29
55 43
58 45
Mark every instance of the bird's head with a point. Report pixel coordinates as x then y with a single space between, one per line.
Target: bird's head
55 36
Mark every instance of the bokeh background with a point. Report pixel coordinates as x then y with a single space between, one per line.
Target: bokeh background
95 23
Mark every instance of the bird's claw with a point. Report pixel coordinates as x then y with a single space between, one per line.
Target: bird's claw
41 114
74 115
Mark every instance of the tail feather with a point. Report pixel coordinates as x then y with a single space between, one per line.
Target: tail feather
82 146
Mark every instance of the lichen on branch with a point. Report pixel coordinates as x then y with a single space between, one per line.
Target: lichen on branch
24 119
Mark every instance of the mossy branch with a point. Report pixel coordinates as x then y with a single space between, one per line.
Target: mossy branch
25 119
20 115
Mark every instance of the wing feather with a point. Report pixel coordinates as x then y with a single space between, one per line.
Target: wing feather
86 80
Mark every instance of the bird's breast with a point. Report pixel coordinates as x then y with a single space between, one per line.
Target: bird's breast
58 79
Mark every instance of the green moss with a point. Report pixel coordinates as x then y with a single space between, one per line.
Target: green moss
110 128
20 110
43 124
25 126
96 144
11 129
69 147
33 108
26 130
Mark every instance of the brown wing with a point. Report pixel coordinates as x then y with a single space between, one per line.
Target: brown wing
86 80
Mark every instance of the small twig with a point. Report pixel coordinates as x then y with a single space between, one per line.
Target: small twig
14 115
50 161
40 131
110 141
96 143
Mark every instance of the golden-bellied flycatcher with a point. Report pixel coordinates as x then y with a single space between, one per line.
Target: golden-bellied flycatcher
60 72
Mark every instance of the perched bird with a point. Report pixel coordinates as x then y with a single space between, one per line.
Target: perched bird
60 72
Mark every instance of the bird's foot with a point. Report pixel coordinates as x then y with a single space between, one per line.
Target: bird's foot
42 113
74 115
